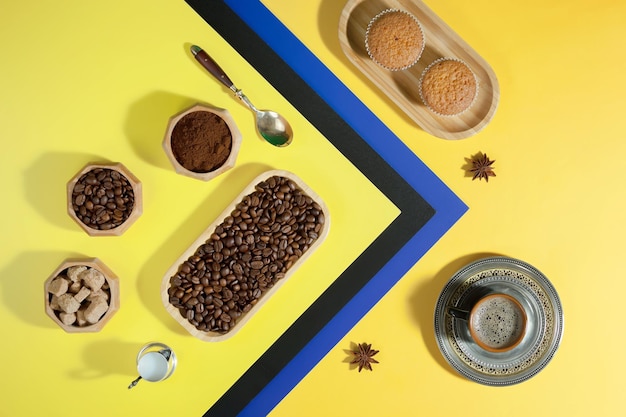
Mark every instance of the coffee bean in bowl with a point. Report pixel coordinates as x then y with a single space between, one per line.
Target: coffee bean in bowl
82 295
104 199
245 255
202 142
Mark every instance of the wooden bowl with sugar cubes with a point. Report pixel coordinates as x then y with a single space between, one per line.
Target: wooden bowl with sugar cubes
82 295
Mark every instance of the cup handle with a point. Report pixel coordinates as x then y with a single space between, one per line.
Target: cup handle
171 357
458 313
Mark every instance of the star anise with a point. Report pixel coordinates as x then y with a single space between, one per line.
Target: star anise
364 356
481 167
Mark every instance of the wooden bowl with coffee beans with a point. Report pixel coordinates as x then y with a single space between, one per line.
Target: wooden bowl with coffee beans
82 295
245 256
202 142
104 199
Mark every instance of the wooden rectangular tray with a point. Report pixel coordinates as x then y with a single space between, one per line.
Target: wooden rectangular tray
402 86
241 321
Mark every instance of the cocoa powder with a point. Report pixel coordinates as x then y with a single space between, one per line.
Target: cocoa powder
201 141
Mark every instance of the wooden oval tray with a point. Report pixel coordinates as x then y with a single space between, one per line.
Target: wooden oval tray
402 86
211 336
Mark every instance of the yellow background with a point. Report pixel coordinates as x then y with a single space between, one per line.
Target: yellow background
83 81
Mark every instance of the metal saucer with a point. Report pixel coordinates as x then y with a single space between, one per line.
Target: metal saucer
544 329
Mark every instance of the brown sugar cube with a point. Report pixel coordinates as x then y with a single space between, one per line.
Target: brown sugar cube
75 287
54 302
96 310
92 278
80 317
68 303
98 294
82 294
74 271
58 286
67 318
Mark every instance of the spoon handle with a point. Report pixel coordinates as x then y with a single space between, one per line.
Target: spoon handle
132 384
459 313
207 62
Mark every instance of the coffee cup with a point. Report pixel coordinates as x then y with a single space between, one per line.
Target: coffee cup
496 322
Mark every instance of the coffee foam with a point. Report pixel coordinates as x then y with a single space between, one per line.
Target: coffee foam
498 322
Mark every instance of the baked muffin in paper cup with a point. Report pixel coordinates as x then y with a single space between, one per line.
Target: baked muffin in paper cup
394 39
448 86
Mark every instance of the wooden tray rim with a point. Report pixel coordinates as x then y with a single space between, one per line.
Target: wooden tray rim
418 113
204 236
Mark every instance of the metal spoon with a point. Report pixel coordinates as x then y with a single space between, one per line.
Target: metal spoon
270 125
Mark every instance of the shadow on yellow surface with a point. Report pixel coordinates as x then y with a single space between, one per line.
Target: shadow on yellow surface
152 273
54 168
327 21
146 136
424 299
103 358
23 285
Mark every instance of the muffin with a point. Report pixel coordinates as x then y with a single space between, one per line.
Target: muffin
394 39
448 87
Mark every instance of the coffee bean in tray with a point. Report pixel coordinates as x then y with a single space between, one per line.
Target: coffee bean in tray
246 255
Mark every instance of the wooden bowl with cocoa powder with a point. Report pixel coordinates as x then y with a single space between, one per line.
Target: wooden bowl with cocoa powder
82 295
202 142
105 199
